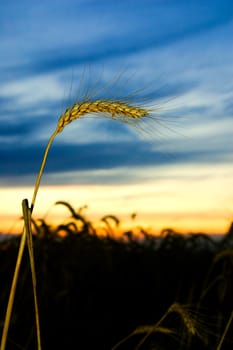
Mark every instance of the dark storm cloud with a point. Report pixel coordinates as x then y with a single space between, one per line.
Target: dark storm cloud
24 160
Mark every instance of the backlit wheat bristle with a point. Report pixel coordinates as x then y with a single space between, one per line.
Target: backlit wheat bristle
100 106
188 321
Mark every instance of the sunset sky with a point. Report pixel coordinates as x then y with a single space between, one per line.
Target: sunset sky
179 54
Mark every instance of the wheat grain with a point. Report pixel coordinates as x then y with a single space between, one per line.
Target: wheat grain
114 108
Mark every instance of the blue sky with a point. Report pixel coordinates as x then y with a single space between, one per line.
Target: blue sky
180 51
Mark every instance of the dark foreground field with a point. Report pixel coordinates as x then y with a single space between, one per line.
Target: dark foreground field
93 291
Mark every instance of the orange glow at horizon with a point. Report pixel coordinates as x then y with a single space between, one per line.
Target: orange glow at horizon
187 205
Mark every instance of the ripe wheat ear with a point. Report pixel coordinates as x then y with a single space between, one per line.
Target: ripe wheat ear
115 108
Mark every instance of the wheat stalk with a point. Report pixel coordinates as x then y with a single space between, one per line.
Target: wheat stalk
117 109
26 235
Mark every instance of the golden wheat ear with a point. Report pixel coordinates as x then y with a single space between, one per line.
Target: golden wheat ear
114 108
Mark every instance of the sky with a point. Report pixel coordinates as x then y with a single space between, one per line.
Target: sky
174 57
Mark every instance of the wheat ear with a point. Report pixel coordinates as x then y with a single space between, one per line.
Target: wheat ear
188 321
115 109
